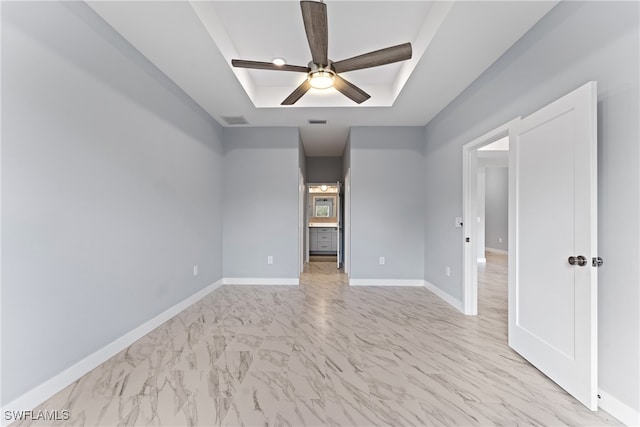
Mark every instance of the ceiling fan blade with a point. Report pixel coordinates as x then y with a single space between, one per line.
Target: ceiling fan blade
388 55
267 66
314 15
350 90
297 94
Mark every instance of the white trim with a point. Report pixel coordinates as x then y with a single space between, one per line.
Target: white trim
621 411
47 389
302 228
482 260
386 282
497 251
455 303
293 281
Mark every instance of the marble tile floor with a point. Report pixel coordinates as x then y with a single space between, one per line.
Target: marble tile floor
325 354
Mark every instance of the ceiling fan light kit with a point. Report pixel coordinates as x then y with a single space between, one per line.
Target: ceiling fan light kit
322 73
321 77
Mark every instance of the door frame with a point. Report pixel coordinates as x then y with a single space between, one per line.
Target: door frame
469 212
347 223
302 222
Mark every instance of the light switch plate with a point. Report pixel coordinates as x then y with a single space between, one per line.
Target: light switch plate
458 222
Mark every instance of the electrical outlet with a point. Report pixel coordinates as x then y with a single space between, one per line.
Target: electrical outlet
447 271
382 260
195 270
270 259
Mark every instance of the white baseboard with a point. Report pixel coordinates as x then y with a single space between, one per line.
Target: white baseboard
385 282
621 411
46 390
455 303
482 260
260 281
497 251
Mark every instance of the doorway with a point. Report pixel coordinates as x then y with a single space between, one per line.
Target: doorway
475 163
324 222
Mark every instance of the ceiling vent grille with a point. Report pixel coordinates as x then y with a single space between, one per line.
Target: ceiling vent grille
235 120
317 122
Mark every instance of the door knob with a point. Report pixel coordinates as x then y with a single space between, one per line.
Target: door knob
578 260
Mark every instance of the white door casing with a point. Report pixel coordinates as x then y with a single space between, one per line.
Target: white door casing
552 216
302 226
347 223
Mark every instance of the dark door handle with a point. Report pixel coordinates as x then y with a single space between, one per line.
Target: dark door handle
578 260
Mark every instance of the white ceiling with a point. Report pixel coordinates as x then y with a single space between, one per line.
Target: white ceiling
193 43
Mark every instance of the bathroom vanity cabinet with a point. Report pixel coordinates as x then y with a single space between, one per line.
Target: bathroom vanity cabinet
323 239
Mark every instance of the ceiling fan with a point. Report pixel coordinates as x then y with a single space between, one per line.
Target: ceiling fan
322 73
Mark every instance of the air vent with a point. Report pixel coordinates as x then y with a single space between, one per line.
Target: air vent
317 122
235 120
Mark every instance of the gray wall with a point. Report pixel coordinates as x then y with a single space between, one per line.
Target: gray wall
497 208
575 43
387 202
260 202
324 169
110 191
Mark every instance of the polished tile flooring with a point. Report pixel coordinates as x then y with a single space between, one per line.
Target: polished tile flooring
325 353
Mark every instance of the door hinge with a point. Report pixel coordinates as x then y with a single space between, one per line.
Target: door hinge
597 261
467 240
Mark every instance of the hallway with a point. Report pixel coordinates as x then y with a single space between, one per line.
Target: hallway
325 353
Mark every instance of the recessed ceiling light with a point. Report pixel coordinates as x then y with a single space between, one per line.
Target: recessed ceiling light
279 61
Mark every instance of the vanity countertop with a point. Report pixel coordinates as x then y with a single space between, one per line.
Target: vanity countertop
323 224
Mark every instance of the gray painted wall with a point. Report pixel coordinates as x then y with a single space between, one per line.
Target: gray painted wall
575 43
387 202
260 202
324 169
110 191
497 208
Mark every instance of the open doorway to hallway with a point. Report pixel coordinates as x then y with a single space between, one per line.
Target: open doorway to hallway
485 207
493 215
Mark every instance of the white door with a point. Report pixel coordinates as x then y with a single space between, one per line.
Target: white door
552 216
